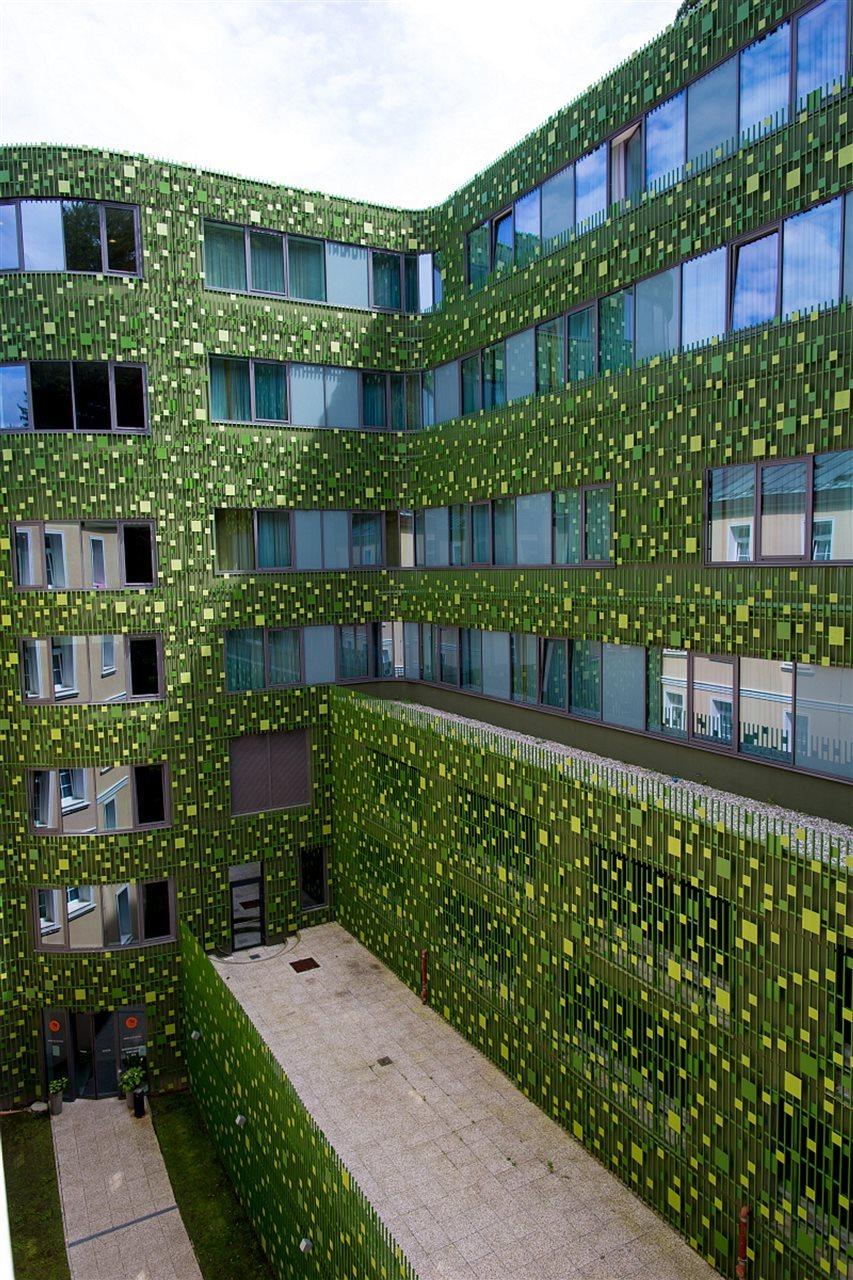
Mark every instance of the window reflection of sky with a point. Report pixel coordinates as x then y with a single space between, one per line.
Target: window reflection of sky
755 282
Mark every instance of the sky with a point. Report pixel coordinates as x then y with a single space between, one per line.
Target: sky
397 102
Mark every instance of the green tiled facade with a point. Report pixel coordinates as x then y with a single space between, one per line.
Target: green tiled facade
750 1043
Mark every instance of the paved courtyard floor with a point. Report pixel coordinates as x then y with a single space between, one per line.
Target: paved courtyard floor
471 1178
118 1210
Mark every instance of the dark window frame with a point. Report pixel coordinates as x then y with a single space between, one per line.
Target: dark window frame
119 525
112 429
254 813
141 885
327 902
91 772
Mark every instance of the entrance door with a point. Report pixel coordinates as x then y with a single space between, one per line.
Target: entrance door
247 906
85 1047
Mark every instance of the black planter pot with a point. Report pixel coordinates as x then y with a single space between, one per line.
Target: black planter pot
139 1103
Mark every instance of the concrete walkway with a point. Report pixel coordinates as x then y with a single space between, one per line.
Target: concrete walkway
118 1210
473 1180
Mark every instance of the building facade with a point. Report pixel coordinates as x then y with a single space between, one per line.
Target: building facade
570 454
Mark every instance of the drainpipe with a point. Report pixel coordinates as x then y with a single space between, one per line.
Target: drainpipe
742 1236
424 976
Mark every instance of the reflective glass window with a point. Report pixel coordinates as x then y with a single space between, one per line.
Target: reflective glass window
266 255
481 538
832 517
496 681
319 655
366 539
92 395
284 656
821 47
712 110
9 253
81 230
307 395
41 224
306 265
783 510
703 298
824 720
731 514
53 408
554 674
386 280
713 699
478 255
447 391
581 344
524 667
567 526
585 678
550 374
520 365
122 251
346 275
811 258
597 524
558 208
494 376
756 265
667 692
471 384
436 536
766 728
503 543
244 659
502 242
374 407
342 393
657 314
459 534
615 332
765 69
533 529
448 655
528 240
591 186
14 398
666 139
336 549
471 658
623 685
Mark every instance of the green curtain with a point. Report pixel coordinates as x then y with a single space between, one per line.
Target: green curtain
270 392
244 659
285 665
234 541
266 250
224 257
230 400
386 281
306 262
274 545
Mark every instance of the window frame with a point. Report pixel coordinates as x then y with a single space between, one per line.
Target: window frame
112 429
102 205
327 902
90 781
733 248
757 558
63 916
125 638
30 526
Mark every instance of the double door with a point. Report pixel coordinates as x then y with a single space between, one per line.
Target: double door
246 882
92 1049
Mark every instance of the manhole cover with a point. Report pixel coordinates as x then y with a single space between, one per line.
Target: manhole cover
384 1062
302 966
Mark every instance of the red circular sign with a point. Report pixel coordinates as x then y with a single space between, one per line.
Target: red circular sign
54 1026
131 1023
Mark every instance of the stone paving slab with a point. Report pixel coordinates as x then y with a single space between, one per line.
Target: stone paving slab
471 1178
118 1208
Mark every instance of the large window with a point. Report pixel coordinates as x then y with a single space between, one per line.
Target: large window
91 556
91 669
58 395
782 511
253 260
313 878
69 235
247 390
272 541
270 771
104 916
84 801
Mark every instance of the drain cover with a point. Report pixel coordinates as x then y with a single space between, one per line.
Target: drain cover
254 955
302 966
384 1062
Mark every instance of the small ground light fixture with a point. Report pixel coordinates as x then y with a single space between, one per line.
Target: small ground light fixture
306 1245
195 1035
240 1121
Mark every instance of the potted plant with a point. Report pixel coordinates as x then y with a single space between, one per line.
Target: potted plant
133 1083
55 1089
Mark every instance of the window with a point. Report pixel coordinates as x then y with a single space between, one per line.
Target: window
307 269
459 539
494 376
528 238
523 667
247 390
478 255
765 69
591 187
266 261
811 258
84 801
481 533
54 559
354 652
244 660
582 344
14 397
756 267
313 879
436 537
585 678
108 655
550 374
623 682
471 657
824 720
73 556
712 689
821 48
448 655
374 400
666 141
274 533
558 209
143 658
270 771
615 333
712 111
703 298
503 242
225 257
765 703
503 535
95 917
656 302
666 696
626 164
597 524
386 270
70 235
347 282
285 656
234 541
554 674
471 384
138 555
533 529
803 511
520 370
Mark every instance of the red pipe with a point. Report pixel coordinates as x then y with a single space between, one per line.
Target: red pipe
424 984
742 1237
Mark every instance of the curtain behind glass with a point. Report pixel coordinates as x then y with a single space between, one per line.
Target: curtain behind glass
585 678
306 265
270 392
266 250
616 332
244 660
597 524
386 280
285 666
494 377
274 542
567 526
235 549
230 400
549 357
224 257
373 392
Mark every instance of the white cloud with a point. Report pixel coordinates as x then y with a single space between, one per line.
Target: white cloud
395 101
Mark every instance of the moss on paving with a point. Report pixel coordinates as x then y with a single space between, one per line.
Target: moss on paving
35 1215
222 1236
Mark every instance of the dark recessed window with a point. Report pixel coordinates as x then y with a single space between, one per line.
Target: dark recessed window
138 555
313 886
92 396
144 669
53 407
156 916
150 795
